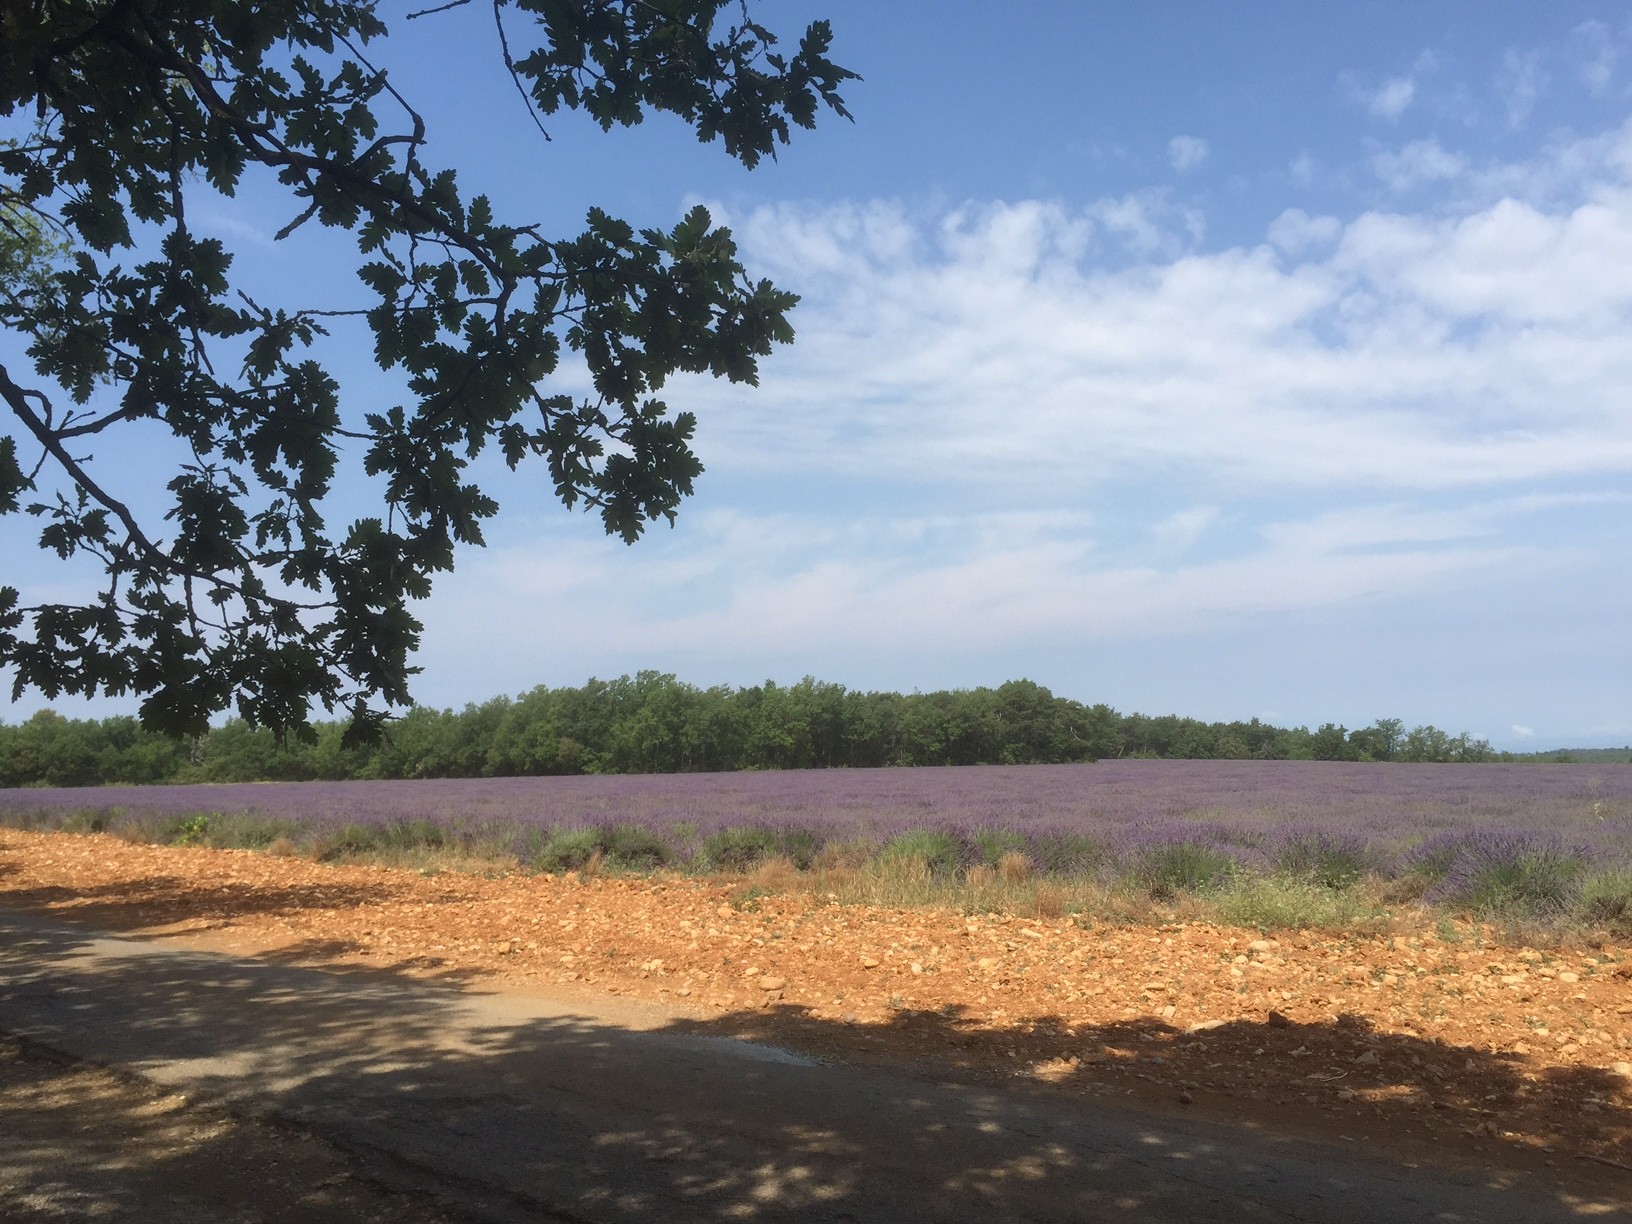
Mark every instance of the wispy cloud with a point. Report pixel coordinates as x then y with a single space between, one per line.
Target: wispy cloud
1180 531
1391 99
1600 52
1296 232
1520 84
1422 162
224 220
1186 152
780 596
1019 423
1412 351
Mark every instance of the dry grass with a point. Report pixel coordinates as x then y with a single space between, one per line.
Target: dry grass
1014 867
853 875
1012 886
908 882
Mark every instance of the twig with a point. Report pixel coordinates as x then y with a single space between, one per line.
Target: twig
441 8
1603 1160
510 67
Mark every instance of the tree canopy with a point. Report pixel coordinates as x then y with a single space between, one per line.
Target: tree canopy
118 317
656 723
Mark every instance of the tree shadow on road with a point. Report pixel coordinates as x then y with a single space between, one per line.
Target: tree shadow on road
338 957
166 900
1338 1079
78 1142
513 1109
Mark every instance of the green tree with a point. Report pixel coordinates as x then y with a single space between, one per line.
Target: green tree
237 591
1331 743
1379 742
1426 744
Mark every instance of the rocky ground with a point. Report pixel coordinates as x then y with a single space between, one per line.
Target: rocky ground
1438 1040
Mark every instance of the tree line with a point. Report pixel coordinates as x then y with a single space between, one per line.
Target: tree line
655 723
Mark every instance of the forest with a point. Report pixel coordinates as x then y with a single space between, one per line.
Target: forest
655 723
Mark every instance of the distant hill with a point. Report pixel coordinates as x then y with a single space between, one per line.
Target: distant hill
1600 756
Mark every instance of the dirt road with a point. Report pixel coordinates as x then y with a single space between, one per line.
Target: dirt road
500 1106
82 1142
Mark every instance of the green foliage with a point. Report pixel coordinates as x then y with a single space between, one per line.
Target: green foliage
1433 862
350 840
1165 872
1285 902
940 853
652 723
993 844
419 834
395 837
567 849
247 831
237 591
737 848
1541 884
1605 900
1323 860
190 830
631 848
87 822
1067 854
618 847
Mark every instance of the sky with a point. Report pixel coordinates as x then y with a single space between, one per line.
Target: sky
1232 361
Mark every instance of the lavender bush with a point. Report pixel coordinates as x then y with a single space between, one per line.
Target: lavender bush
1509 838
1327 855
1505 872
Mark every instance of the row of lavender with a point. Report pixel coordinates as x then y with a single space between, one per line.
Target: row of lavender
1185 823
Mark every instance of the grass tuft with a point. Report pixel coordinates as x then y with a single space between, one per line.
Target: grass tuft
1167 871
1014 867
935 854
1286 901
1605 901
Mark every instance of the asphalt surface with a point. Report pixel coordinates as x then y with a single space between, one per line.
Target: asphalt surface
498 1107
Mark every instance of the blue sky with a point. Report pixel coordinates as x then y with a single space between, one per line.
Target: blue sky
1262 360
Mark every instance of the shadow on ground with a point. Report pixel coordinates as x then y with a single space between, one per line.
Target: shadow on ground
1345 1076
509 1109
166 899
80 1143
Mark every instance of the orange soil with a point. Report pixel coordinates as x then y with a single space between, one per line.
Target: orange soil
1468 1051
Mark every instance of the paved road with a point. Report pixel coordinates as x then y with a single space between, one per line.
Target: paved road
516 1109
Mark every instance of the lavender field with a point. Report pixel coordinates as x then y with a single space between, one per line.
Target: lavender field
1549 827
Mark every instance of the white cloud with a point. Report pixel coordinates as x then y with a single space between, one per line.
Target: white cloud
1520 84
871 595
1023 422
1149 223
1522 731
1418 163
226 221
1511 260
1409 351
1565 171
1186 152
1180 531
1296 232
1391 99
1600 57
